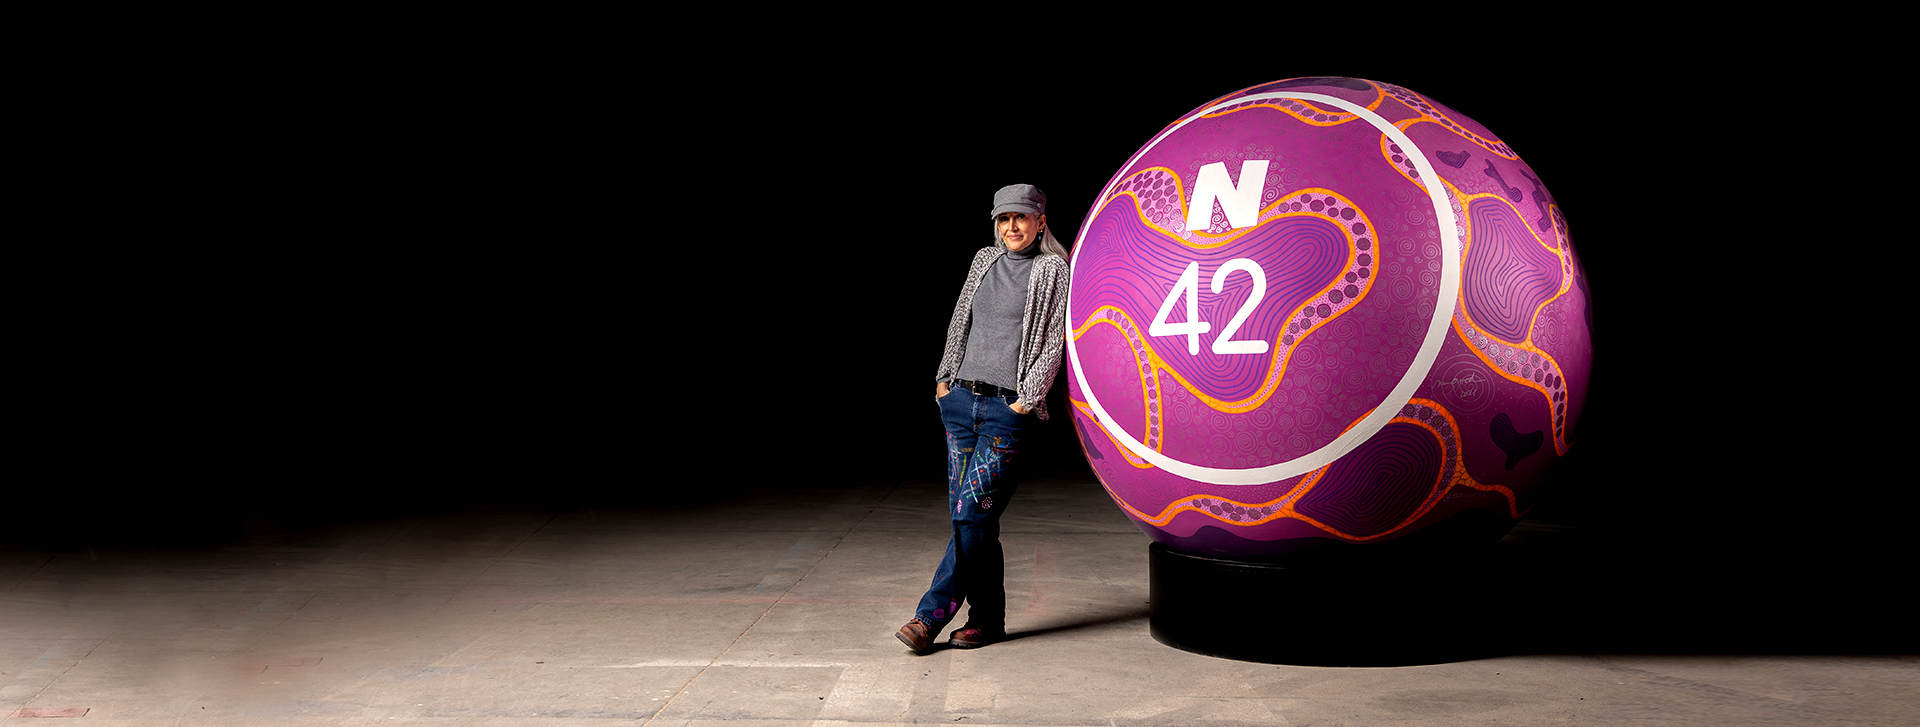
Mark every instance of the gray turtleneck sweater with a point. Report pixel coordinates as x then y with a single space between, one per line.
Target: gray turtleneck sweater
993 336
1040 334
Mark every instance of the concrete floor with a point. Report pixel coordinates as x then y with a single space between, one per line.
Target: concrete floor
779 607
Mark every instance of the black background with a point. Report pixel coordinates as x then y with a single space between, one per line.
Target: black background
418 276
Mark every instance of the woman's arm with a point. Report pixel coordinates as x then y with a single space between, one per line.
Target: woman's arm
1048 299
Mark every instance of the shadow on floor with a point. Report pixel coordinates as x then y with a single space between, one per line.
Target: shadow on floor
1091 621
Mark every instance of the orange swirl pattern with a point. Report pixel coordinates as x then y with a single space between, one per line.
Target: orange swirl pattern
1353 284
1132 459
1445 411
1431 113
1147 363
1524 363
1424 413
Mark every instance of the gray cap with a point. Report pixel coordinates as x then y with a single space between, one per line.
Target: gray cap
1019 198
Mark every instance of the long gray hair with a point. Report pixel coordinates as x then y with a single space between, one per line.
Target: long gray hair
1048 243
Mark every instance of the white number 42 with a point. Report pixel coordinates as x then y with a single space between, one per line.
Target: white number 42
1189 287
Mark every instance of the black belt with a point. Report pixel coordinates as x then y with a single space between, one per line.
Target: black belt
983 388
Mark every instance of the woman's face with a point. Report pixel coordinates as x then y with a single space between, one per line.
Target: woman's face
1019 229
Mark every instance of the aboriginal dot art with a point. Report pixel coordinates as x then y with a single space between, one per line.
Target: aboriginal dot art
1324 308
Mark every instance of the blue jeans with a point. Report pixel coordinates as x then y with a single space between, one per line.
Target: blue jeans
982 434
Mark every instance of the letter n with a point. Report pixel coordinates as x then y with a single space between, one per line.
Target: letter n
1242 204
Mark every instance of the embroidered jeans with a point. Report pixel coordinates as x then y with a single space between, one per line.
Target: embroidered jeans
982 435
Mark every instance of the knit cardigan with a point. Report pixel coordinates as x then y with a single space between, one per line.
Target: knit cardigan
1042 326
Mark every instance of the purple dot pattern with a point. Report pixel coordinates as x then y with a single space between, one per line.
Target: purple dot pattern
1419 458
1523 364
1234 512
1510 274
1301 110
1149 377
1340 187
1434 114
1157 199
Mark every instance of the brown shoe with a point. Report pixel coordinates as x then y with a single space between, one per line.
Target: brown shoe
917 635
974 637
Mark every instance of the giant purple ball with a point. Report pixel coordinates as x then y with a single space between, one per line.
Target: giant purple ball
1324 309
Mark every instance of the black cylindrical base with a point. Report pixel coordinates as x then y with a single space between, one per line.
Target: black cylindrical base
1336 613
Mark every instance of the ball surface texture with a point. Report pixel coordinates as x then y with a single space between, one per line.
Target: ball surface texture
1324 310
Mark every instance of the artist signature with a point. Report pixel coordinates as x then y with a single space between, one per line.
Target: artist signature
1468 386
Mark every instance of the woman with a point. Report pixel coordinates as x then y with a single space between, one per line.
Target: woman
1003 348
